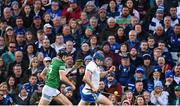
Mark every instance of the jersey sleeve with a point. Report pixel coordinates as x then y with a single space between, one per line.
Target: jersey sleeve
62 66
90 67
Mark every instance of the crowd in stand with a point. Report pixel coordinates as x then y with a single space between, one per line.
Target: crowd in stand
141 38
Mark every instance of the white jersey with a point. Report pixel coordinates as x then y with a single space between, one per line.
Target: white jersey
94 78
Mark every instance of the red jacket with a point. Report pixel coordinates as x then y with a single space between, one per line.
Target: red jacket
75 14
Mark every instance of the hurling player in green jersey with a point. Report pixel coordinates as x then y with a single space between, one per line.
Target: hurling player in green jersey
55 72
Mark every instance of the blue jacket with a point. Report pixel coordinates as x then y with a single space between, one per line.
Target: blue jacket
124 73
30 88
174 43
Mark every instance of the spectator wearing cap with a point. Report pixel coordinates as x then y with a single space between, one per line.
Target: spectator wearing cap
47 50
157 20
110 29
87 34
177 73
69 94
135 59
132 41
102 19
124 70
37 10
173 14
169 85
36 25
27 15
155 76
87 59
177 92
73 11
19 26
139 75
146 64
112 9
54 11
49 33
91 9
173 40
112 85
158 96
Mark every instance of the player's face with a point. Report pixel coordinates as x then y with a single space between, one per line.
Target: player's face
99 62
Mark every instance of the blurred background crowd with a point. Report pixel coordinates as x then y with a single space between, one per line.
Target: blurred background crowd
141 38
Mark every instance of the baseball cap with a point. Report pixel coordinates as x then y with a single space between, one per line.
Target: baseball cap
88 58
169 73
177 88
157 69
47 25
9 28
139 70
158 84
112 74
47 59
67 89
36 17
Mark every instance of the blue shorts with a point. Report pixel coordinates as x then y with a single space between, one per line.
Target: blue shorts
90 98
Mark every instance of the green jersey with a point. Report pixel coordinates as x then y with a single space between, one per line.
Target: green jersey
53 77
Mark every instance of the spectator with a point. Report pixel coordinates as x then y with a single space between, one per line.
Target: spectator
9 35
167 26
4 88
157 20
36 25
162 63
2 45
111 85
37 10
70 49
177 73
56 24
177 89
9 56
73 11
47 50
54 11
156 76
120 36
66 31
158 96
31 85
20 41
151 43
48 32
147 98
169 85
91 9
29 37
3 71
114 45
3 101
22 97
7 17
141 34
144 48
19 26
146 65
140 100
112 10
12 86
132 10
174 19
129 97
85 51
124 70
69 94
134 58
132 41
16 10
102 20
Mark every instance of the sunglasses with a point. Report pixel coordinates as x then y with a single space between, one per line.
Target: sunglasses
12 46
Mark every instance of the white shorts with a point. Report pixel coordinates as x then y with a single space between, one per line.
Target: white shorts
48 93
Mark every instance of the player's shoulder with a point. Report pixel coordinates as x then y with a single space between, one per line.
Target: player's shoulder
57 60
91 63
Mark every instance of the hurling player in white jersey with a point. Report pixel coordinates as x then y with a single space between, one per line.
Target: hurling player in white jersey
91 78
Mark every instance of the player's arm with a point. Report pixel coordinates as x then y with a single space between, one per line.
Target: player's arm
44 73
65 79
104 73
86 78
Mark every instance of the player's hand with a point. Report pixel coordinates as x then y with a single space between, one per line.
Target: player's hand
94 90
73 87
112 69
